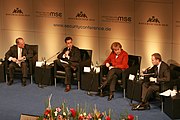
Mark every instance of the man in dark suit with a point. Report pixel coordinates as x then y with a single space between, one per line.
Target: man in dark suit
69 59
17 56
161 73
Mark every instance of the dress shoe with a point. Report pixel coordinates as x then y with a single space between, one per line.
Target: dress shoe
144 106
24 82
10 82
110 97
68 88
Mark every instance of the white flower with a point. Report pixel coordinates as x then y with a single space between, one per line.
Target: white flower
64 113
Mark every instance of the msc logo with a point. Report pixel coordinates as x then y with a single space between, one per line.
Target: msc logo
124 19
17 10
153 19
56 14
81 15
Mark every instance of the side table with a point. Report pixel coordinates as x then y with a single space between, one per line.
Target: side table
134 89
90 81
44 75
2 72
171 106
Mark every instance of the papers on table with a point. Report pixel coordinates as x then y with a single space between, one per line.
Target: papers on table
169 93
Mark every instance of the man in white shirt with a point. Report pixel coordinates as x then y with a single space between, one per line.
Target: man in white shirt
161 74
16 56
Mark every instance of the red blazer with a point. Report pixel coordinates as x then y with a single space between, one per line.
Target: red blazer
120 62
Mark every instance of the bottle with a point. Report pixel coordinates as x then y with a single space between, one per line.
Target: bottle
137 75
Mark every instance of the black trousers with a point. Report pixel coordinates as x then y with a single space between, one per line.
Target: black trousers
112 76
147 90
68 70
12 67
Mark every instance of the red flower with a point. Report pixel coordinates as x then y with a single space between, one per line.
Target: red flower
73 112
130 117
81 117
47 111
108 118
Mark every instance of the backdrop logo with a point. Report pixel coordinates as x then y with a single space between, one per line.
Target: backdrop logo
17 12
51 14
117 19
153 21
81 16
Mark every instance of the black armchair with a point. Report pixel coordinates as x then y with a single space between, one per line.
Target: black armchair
33 49
134 63
174 81
86 56
175 76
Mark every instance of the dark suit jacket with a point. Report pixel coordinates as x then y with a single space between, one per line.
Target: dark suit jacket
13 52
74 54
164 72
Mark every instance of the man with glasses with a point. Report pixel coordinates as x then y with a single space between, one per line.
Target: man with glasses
116 62
69 59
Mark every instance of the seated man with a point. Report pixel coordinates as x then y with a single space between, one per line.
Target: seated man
116 62
18 55
161 73
69 59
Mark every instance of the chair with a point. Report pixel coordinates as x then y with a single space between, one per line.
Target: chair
31 64
175 76
86 56
134 63
174 81
163 86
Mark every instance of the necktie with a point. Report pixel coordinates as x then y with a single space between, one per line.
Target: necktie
156 71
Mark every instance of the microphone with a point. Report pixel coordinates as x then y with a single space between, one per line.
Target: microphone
146 70
51 57
58 52
149 68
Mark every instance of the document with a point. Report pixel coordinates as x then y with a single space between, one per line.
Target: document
64 61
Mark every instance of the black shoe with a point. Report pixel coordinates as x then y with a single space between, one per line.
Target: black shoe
110 97
145 106
10 82
24 82
68 88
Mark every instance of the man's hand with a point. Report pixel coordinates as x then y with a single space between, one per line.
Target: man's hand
14 59
153 79
143 70
67 54
107 65
22 58
111 67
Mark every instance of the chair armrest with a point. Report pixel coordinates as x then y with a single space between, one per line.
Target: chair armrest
55 67
103 71
6 62
125 74
31 65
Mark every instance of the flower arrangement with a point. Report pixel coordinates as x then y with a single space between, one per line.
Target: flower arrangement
63 112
